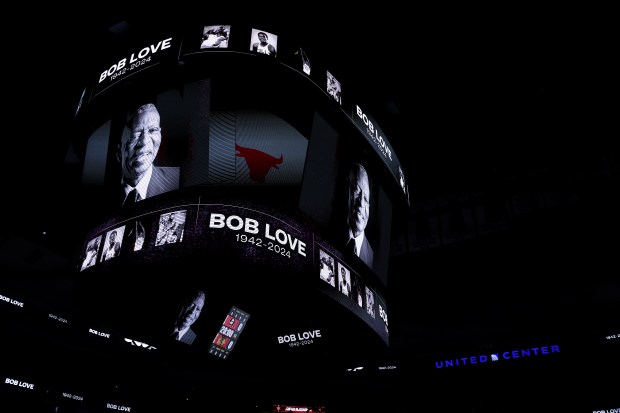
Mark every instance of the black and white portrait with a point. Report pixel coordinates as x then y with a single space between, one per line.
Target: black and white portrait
190 311
215 37
333 88
370 302
140 176
358 290
327 270
171 227
358 199
135 236
305 62
344 280
91 252
263 42
112 243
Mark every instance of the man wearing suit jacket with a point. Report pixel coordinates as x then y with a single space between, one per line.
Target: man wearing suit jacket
189 314
137 152
358 213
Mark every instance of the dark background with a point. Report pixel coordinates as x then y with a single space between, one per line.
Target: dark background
469 97
509 106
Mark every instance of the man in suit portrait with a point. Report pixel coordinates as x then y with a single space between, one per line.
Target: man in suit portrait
187 317
137 152
358 208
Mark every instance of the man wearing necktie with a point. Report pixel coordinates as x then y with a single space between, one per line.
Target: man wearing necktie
190 312
137 152
358 205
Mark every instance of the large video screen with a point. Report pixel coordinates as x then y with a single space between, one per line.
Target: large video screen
176 237
198 162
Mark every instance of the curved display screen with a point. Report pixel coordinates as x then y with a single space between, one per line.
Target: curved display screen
205 151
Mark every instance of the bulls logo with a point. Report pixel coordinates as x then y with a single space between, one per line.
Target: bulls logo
258 162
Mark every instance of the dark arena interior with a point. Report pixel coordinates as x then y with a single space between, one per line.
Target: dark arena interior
489 197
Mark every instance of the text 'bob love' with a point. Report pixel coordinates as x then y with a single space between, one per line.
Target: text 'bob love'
252 226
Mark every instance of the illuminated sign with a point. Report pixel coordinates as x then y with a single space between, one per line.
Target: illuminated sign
373 134
268 238
383 314
19 383
113 406
229 333
140 344
506 355
11 301
300 339
613 337
261 237
55 317
73 396
98 333
134 62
